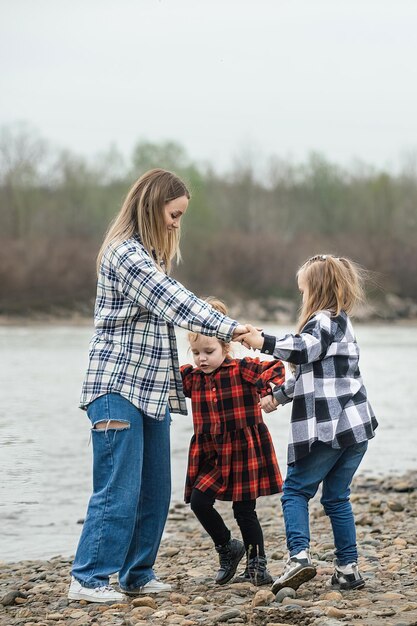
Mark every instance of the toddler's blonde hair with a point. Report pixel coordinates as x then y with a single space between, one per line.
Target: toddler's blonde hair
220 306
333 284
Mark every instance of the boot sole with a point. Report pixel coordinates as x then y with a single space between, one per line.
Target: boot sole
297 579
232 572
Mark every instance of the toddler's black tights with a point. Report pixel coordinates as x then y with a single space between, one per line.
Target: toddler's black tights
202 505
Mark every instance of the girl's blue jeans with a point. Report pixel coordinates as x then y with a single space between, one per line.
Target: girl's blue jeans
334 468
131 492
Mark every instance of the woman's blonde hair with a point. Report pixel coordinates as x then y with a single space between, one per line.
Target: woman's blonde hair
333 284
142 213
220 306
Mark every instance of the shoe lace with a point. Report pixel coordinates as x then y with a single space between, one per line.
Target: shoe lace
104 589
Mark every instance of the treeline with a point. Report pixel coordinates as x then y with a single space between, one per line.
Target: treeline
244 235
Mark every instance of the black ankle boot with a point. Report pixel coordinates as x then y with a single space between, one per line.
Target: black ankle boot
229 556
256 572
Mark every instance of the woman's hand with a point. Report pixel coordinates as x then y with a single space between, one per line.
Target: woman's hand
239 331
253 338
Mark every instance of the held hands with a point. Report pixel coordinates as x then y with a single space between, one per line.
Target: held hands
238 333
268 403
253 338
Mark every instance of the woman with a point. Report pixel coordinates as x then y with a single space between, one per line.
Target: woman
132 383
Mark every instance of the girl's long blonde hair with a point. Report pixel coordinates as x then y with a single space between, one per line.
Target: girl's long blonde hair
142 214
333 284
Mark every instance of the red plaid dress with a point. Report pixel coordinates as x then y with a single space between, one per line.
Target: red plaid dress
231 453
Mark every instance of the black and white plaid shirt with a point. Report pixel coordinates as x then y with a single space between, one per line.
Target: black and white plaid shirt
329 399
133 350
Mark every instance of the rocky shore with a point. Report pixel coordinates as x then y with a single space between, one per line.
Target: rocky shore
33 593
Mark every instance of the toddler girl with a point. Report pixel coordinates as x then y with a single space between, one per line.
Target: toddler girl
231 455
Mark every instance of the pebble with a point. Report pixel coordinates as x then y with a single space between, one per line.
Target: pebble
285 592
34 593
145 601
227 615
263 597
333 611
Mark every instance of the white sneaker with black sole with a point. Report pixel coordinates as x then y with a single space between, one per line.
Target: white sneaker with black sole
298 570
347 576
96 594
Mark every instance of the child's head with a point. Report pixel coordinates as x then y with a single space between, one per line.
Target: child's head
329 283
209 352
152 209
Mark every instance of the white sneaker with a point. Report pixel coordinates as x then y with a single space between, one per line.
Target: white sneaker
298 569
153 586
347 576
97 594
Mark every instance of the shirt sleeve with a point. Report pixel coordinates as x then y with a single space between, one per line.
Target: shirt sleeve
308 346
141 282
285 393
187 379
261 373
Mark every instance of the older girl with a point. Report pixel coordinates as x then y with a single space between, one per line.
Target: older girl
132 383
331 419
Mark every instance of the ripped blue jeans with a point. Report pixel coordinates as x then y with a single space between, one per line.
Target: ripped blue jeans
127 511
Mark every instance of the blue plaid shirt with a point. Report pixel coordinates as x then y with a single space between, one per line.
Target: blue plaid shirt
329 398
133 350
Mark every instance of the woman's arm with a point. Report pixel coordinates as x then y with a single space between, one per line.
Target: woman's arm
144 284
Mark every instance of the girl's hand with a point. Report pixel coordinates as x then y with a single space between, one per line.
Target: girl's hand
268 404
253 338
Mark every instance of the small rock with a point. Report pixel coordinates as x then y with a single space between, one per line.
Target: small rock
385 612
142 611
199 600
171 552
401 543
395 506
145 601
229 614
19 600
390 595
285 592
178 598
76 614
160 615
263 597
332 611
402 487
11 596
332 595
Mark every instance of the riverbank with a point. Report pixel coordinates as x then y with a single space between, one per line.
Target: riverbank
390 308
33 593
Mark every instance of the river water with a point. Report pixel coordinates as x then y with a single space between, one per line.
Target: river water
45 457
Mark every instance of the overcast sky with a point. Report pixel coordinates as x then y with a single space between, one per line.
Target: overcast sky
222 77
